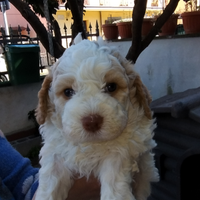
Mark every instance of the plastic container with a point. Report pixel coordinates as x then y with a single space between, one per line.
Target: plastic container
22 63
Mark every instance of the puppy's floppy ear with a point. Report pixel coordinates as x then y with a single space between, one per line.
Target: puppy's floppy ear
138 92
42 108
142 95
78 38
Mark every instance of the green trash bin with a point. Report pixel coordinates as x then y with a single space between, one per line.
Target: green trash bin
22 63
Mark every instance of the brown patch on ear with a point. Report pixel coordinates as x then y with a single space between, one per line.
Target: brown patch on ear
41 111
138 92
143 97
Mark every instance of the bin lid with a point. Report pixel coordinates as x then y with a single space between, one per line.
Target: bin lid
19 48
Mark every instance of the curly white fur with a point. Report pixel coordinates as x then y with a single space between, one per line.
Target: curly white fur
120 151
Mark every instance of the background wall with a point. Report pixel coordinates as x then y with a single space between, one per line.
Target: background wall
168 65
15 103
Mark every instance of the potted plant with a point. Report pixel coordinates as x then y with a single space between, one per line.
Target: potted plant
147 25
124 28
110 29
170 25
191 17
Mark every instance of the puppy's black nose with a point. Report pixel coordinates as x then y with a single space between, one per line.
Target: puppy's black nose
92 123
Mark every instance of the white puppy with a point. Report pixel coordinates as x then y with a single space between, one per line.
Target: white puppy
95 119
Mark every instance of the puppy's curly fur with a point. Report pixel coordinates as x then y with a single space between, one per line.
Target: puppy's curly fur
93 81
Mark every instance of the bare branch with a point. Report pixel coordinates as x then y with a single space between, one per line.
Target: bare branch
39 28
170 8
138 45
57 32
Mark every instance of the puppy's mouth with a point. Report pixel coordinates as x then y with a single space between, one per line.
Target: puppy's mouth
92 123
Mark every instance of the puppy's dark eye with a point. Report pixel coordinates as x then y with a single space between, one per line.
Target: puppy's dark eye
110 87
69 92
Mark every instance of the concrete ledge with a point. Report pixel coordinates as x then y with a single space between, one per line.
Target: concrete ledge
24 145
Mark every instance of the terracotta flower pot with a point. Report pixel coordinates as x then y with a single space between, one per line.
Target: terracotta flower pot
146 26
124 29
191 22
110 31
169 27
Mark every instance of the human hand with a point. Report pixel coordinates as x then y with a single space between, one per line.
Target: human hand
84 189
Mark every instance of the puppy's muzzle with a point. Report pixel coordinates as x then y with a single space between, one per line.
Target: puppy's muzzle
92 123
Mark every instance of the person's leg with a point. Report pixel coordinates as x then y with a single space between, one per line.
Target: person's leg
16 172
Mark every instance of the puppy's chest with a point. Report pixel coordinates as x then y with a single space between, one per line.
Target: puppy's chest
85 159
89 157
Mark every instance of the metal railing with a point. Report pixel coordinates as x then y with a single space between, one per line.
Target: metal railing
16 37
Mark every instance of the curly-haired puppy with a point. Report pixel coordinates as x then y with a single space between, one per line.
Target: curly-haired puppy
95 117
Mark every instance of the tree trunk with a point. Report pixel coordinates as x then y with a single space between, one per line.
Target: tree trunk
77 13
137 16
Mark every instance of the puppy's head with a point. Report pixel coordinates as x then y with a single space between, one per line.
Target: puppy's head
92 93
